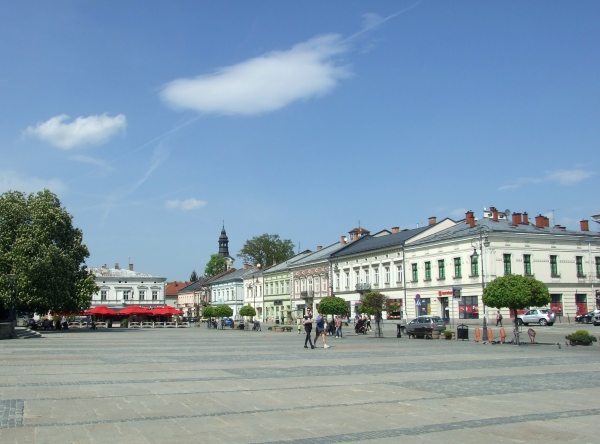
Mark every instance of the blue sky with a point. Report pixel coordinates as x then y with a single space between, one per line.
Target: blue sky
154 122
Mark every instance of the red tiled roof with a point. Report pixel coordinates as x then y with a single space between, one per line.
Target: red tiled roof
174 287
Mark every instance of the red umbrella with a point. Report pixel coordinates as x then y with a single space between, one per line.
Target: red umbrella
168 310
100 310
135 310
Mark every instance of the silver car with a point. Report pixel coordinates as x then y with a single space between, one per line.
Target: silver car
542 316
425 323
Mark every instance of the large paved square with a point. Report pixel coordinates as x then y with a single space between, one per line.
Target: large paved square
200 385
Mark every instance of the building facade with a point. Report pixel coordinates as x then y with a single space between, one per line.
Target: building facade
229 290
119 288
253 291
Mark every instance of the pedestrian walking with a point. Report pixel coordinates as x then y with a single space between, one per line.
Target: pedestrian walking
498 319
320 330
307 321
338 327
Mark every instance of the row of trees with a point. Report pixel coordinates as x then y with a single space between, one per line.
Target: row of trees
40 245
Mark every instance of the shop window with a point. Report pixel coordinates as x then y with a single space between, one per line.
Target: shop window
423 306
468 307
581 303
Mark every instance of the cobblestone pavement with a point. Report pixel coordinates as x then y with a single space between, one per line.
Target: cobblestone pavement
200 385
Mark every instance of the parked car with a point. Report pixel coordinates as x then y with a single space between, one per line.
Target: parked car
434 322
585 318
228 322
597 318
542 316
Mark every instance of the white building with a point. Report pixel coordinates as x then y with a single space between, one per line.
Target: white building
568 262
253 291
120 288
229 290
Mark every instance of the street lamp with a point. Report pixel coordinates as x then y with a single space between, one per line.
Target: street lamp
13 296
481 242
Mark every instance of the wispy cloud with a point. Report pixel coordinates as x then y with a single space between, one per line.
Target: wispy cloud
561 177
263 84
92 130
185 205
13 181
93 161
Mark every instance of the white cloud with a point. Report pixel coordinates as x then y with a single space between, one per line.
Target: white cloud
186 205
263 84
93 161
92 130
13 181
562 177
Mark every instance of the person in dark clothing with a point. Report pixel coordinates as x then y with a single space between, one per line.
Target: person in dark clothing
308 322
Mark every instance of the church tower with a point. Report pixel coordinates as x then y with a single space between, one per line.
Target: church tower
224 248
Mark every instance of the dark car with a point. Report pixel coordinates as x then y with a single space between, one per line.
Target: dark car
424 324
228 322
585 318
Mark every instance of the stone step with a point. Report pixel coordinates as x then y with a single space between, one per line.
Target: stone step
25 333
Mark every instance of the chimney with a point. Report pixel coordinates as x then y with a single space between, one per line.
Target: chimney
470 218
343 240
539 221
584 225
525 218
494 212
546 221
395 230
247 267
274 261
130 267
104 266
117 266
319 247
432 220
516 219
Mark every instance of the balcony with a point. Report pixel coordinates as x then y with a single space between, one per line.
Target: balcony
362 287
307 295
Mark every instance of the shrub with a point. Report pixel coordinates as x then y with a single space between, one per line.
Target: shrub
582 337
125 323
447 333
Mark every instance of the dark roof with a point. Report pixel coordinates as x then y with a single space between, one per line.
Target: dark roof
462 229
238 274
193 286
368 243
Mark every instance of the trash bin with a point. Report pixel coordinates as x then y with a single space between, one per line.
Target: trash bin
277 321
462 332
398 330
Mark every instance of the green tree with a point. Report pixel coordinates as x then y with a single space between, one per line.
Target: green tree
217 264
247 310
193 276
333 305
39 244
516 292
373 303
208 312
266 249
223 311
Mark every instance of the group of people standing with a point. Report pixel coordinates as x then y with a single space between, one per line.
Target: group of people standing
321 328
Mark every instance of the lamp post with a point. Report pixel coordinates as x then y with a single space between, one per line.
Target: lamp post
481 242
13 295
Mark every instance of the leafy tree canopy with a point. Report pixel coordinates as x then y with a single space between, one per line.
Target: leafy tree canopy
193 276
247 310
516 293
39 244
333 305
223 311
208 311
266 249
217 264
373 303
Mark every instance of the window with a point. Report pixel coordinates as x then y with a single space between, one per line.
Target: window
427 271
442 269
317 284
347 279
303 284
310 284
357 276
527 264
579 263
376 276
474 265
399 269
366 274
507 268
598 266
556 304
457 267
468 308
103 295
126 294
554 266
423 306
297 285
142 295
337 281
387 275
581 303
415 273
154 295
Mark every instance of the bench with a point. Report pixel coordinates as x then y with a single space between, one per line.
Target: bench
159 325
100 324
182 325
75 325
425 332
170 324
135 325
147 325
